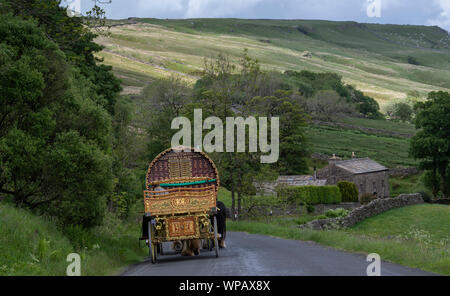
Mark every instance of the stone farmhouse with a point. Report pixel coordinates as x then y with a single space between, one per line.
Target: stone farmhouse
368 175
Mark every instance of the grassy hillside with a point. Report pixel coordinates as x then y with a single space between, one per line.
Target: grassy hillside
389 151
32 245
384 61
415 236
375 58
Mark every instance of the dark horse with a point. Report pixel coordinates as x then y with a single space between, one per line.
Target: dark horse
221 222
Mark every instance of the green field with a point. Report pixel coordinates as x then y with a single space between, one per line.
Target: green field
415 236
394 126
372 57
389 151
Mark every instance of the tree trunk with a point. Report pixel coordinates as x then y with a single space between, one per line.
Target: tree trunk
233 206
444 183
239 192
239 204
435 189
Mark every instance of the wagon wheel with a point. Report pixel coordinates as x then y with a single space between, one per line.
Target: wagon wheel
209 241
151 246
210 244
216 244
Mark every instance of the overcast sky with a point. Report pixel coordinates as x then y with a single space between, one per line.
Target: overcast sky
416 12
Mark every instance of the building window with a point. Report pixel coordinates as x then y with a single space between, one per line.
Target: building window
374 186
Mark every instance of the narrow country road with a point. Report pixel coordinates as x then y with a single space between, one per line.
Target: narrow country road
258 255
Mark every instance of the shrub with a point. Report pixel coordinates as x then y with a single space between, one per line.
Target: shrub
321 217
310 194
411 60
367 197
310 209
79 237
304 219
426 197
403 111
340 212
348 190
395 185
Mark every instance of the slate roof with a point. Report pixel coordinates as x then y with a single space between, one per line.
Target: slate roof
360 165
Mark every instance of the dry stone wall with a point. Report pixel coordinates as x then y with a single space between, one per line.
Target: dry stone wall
403 171
373 208
264 210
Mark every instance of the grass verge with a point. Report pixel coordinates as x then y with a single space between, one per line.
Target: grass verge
32 245
415 236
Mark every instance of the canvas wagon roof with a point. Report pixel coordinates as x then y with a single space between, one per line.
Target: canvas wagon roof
360 165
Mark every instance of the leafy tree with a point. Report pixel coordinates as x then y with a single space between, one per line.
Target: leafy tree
293 142
432 181
227 91
128 164
348 191
310 83
217 92
431 143
54 136
168 95
326 104
74 38
364 104
167 98
403 111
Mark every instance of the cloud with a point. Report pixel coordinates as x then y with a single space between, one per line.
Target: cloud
159 7
443 19
217 8
414 12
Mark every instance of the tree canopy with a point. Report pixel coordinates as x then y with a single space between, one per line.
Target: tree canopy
431 144
60 116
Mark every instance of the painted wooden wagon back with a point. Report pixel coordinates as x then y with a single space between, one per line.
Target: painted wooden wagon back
180 198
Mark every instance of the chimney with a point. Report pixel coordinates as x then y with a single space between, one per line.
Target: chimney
332 159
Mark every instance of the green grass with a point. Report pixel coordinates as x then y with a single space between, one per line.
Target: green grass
395 126
32 245
372 57
432 218
386 150
415 236
224 196
406 184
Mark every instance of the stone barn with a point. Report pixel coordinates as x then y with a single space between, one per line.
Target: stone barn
368 175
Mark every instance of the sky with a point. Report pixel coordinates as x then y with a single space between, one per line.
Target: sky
412 12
